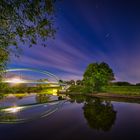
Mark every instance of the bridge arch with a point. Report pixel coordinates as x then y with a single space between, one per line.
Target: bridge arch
34 70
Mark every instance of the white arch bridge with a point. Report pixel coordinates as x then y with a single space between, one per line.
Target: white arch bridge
58 81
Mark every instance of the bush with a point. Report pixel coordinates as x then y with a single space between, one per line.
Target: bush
121 83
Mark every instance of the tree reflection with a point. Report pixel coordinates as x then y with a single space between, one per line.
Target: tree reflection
7 117
99 115
42 98
79 98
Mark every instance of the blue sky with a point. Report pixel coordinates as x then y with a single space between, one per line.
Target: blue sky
90 31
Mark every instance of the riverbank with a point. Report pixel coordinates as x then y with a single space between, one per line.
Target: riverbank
110 91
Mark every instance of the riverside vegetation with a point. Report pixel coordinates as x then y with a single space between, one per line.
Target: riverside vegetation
98 78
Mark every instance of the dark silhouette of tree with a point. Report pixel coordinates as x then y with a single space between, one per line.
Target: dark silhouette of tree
121 83
71 82
24 21
79 82
99 115
137 84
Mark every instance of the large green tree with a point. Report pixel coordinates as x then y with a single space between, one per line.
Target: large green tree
24 21
97 75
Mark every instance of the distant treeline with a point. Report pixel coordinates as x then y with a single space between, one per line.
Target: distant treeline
20 89
118 83
123 83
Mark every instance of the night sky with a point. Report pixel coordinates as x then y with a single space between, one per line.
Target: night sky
90 31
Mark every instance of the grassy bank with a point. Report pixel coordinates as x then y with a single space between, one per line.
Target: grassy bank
123 90
109 90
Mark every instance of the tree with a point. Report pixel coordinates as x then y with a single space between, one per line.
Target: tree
121 83
137 84
97 75
71 82
79 82
24 21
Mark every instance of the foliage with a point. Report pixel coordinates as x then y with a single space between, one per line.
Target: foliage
42 98
111 89
79 82
71 82
76 89
137 84
121 83
61 81
99 115
97 75
123 90
19 89
24 21
3 88
1 96
3 59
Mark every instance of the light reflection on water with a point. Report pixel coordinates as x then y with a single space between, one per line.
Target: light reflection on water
27 108
25 100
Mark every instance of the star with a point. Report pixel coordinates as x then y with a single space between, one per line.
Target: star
107 35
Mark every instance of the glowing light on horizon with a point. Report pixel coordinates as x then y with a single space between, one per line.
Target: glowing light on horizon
54 91
15 80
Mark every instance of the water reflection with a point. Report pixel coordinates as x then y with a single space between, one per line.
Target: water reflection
4 117
27 108
9 114
100 114
42 98
79 98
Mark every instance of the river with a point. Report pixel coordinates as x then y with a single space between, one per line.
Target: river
79 118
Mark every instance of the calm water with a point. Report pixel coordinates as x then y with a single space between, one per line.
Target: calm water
81 118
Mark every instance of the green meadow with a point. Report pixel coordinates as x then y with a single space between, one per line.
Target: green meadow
117 90
123 90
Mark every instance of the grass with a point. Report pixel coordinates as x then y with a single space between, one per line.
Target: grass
117 90
76 89
123 90
18 95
